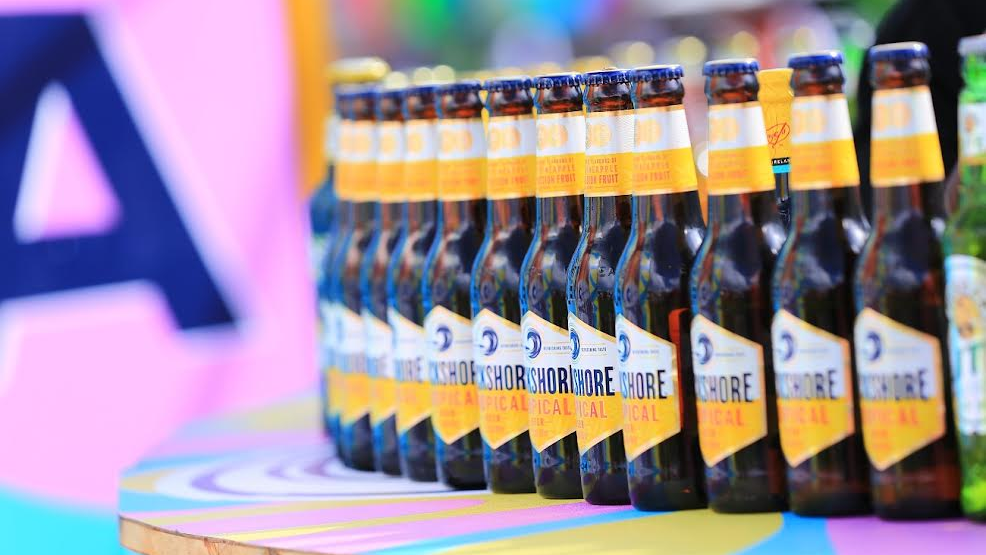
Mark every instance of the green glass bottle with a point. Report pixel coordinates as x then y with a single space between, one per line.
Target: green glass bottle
965 281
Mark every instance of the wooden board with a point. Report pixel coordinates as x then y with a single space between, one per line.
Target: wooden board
264 483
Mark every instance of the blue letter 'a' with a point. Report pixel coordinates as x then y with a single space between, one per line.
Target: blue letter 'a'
150 242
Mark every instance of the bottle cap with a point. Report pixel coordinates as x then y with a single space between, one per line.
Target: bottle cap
415 90
551 80
657 73
363 91
357 70
607 77
897 51
808 60
730 66
512 83
972 45
465 86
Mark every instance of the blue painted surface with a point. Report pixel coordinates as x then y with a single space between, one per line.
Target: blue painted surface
30 526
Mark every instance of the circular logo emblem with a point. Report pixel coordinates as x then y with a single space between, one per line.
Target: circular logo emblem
488 341
703 349
872 346
532 343
574 337
443 338
623 347
786 346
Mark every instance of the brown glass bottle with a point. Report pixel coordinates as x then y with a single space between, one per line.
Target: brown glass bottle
900 329
665 469
543 283
591 285
446 285
730 293
821 436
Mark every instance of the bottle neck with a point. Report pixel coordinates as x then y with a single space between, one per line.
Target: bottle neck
363 215
420 214
683 209
555 212
725 209
457 214
602 211
510 213
389 214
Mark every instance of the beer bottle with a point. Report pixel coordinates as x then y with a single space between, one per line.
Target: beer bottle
775 101
965 281
730 295
899 332
445 286
356 437
373 279
405 305
660 431
498 349
543 280
812 293
591 285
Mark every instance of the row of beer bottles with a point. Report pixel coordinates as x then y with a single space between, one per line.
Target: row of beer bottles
531 324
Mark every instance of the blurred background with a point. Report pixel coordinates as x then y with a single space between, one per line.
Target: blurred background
157 158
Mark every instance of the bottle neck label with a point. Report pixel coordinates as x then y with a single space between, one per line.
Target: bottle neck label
357 160
822 142
510 166
965 296
739 159
461 159
972 134
390 161
420 160
330 142
662 160
560 154
904 147
608 153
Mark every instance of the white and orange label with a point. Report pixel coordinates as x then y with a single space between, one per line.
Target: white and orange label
499 356
461 159
410 371
649 386
390 161
729 390
824 151
901 394
813 374
972 133
739 159
775 100
454 395
510 166
904 148
598 406
351 358
608 153
420 160
380 367
330 339
662 159
965 297
357 157
548 355
560 154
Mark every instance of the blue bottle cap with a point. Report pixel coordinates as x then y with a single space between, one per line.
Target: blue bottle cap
898 51
363 91
607 77
550 80
415 90
657 73
730 66
972 45
514 83
808 60
468 85
395 93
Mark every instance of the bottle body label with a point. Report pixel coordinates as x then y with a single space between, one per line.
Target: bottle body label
649 386
410 371
739 160
420 160
813 374
330 339
904 146
900 388
965 293
380 367
351 350
499 356
560 154
461 159
454 396
510 166
662 159
824 151
729 389
608 153
548 356
598 407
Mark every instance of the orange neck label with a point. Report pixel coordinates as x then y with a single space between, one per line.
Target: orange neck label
662 159
420 160
904 149
824 151
609 153
499 357
510 165
560 154
775 101
598 405
390 161
548 353
813 373
357 167
900 388
454 396
729 390
461 159
739 159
